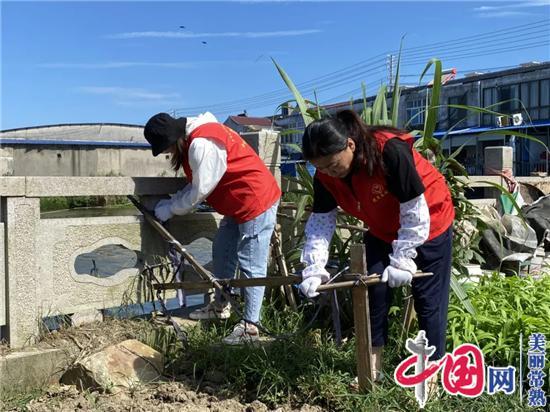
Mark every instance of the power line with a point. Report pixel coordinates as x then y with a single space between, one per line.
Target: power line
268 97
374 86
383 55
272 101
479 37
410 57
359 89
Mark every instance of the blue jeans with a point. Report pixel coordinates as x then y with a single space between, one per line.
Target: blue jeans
245 245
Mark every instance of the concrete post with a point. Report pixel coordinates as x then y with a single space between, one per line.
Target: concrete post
498 159
22 218
3 319
267 144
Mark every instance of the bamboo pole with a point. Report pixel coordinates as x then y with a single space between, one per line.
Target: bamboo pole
276 281
408 317
273 281
205 274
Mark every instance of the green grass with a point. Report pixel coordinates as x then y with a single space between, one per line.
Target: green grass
307 368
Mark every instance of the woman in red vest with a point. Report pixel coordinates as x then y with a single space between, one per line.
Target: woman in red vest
374 174
224 170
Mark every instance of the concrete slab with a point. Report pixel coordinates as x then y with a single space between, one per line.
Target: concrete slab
32 369
44 186
12 186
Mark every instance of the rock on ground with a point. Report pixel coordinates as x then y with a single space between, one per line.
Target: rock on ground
125 365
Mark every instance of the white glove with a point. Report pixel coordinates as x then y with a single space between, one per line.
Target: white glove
309 286
396 277
163 210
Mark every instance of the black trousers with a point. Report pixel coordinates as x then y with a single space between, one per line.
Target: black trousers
431 294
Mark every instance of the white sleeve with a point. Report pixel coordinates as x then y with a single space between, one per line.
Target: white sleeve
414 218
319 230
208 162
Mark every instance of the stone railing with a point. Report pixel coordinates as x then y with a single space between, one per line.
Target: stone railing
37 267
38 277
37 264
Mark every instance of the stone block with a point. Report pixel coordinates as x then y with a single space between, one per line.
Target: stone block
125 365
20 371
12 186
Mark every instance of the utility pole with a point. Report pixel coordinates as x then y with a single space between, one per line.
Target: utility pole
390 63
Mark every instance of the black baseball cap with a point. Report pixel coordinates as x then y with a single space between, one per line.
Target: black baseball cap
162 131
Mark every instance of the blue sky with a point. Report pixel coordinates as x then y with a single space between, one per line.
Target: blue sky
121 62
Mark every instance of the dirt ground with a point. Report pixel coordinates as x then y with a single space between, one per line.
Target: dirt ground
169 396
177 394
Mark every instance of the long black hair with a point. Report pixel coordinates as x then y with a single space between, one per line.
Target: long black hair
330 135
177 156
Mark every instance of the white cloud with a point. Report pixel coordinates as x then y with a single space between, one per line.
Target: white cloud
116 65
158 65
515 5
191 35
502 13
131 96
512 9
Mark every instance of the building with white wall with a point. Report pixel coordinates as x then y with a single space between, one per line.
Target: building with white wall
523 91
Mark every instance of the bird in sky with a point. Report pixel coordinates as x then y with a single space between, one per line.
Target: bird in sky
182 27
204 42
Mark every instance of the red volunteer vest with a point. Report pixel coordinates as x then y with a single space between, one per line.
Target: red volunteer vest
247 188
368 197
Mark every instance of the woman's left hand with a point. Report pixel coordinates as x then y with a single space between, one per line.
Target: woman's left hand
396 277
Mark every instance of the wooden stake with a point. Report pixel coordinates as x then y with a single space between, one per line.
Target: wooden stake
277 253
361 317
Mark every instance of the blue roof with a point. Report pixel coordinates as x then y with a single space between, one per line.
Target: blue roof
471 130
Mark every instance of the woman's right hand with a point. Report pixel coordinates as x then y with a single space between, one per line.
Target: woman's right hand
396 277
309 286
163 210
